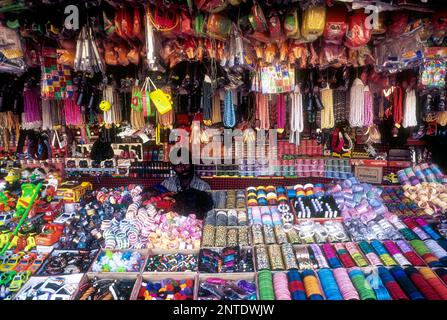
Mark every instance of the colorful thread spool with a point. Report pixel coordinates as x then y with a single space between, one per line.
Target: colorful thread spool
434 281
281 286
409 253
392 286
423 286
383 254
361 284
423 251
296 285
319 256
437 250
265 281
405 283
372 257
344 255
329 284
345 285
312 286
395 252
428 229
353 250
331 256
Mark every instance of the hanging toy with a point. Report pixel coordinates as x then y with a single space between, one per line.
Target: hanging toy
104 106
313 23
358 34
87 57
274 25
291 25
336 26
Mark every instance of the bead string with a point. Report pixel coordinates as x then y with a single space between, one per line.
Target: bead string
410 117
327 114
281 113
368 105
229 110
296 117
357 102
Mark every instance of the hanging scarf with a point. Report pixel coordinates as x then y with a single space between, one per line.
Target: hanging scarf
410 118
47 123
113 115
217 111
32 115
339 105
394 99
207 102
356 105
368 111
229 111
296 118
262 111
327 114
281 112
166 120
72 113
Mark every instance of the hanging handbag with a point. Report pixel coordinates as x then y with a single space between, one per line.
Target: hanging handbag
313 23
291 25
212 6
163 20
161 100
144 95
218 26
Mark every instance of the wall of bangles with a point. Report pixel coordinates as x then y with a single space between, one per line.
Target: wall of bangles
354 92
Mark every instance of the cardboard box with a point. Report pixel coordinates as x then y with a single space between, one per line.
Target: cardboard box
369 174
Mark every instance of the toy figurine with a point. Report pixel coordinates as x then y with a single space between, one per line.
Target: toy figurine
13 176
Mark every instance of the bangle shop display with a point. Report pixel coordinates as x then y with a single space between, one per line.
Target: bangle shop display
349 204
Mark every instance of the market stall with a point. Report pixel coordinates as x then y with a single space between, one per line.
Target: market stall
315 128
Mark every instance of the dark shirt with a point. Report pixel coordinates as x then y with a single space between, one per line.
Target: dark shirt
173 184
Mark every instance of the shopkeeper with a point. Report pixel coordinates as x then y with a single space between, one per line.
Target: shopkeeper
185 177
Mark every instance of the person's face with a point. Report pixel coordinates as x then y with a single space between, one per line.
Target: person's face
183 170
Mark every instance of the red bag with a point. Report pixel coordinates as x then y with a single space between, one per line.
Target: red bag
358 34
274 24
440 23
127 24
336 26
137 24
398 25
212 6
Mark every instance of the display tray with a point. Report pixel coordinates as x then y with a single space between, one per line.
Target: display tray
143 252
73 281
155 252
42 269
252 276
219 250
159 276
112 276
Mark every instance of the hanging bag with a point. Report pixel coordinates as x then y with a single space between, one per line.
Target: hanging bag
144 95
161 100
313 23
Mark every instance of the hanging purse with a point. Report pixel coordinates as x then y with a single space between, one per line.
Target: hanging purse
161 100
212 6
291 25
218 26
163 20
